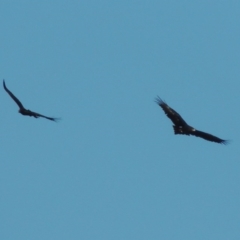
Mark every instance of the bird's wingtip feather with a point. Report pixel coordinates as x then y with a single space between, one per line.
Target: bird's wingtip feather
226 142
159 101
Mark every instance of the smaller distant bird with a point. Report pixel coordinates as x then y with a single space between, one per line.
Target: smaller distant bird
23 110
181 127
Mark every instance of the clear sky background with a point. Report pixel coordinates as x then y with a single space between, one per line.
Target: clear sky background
112 169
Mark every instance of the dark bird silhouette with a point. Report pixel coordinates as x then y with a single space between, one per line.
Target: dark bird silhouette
181 127
23 110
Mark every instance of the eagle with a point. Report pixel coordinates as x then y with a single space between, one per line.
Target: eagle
23 110
181 127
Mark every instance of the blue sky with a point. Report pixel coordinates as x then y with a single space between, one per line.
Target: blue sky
112 167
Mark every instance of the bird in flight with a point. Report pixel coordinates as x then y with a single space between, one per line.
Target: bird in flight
23 110
181 127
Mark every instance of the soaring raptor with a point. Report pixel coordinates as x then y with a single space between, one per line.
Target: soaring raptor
181 127
23 110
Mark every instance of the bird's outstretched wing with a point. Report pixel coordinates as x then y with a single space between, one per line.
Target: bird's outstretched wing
36 115
12 96
208 137
172 114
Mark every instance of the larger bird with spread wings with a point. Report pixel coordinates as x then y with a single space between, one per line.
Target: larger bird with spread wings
23 110
181 127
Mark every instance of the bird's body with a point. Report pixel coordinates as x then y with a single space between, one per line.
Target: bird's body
181 127
23 110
